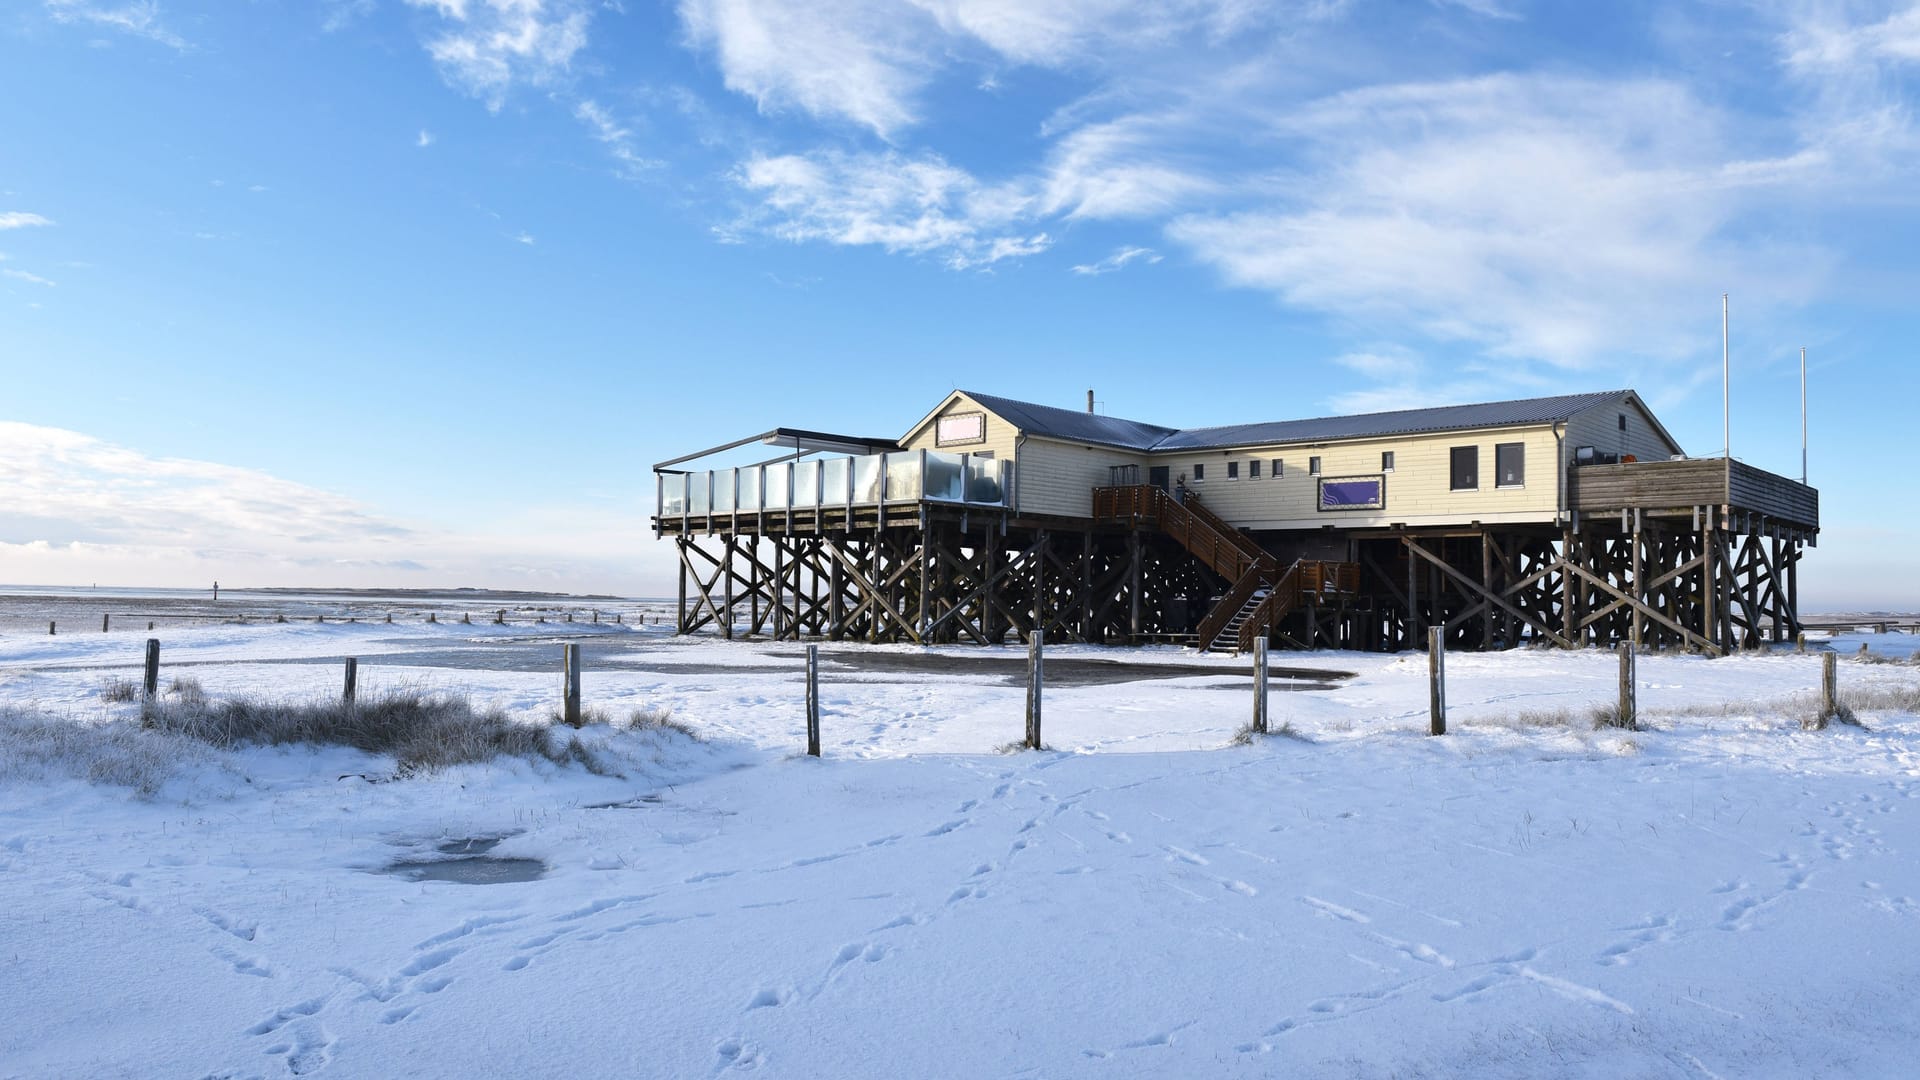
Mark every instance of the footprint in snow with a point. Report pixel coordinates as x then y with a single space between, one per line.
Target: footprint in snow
737 1054
770 998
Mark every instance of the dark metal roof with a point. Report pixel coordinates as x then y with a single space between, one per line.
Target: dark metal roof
1049 422
1085 427
1544 410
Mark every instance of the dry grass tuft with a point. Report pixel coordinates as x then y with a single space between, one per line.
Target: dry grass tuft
119 690
1609 716
116 752
187 691
660 718
422 731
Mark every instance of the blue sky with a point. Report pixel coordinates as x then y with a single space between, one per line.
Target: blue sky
412 292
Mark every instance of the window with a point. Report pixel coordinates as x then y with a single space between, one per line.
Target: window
1313 466
1233 470
1510 464
1386 461
1253 469
1464 468
1623 421
1279 466
1199 473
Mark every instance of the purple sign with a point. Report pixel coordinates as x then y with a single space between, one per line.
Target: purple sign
1350 494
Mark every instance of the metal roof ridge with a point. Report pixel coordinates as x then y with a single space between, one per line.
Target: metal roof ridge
1391 412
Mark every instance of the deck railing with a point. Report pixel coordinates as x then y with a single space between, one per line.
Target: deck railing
835 483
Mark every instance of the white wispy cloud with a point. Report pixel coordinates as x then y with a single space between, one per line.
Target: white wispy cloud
486 47
140 18
73 485
1539 217
1118 261
424 139
523 238
1485 8
20 219
618 140
22 275
862 60
1824 39
868 61
917 205
80 508
336 15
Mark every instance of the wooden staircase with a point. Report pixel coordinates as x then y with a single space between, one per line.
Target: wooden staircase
1260 593
1249 608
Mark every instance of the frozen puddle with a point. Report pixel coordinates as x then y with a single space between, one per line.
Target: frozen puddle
467 862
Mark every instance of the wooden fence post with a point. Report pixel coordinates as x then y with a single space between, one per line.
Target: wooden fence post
1829 687
353 680
1436 681
104 620
1628 689
1260 685
1036 678
501 618
152 684
50 630
813 701
570 685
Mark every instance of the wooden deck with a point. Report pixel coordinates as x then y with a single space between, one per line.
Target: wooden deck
1734 488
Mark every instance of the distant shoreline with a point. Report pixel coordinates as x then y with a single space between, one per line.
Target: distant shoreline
461 593
456 593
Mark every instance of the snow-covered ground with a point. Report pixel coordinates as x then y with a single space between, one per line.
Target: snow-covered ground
1722 894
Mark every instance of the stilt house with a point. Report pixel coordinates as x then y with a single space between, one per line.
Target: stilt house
1574 519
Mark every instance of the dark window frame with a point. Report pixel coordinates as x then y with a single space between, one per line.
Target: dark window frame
1386 461
1200 473
1279 467
1499 466
1313 465
1471 455
1233 470
1253 468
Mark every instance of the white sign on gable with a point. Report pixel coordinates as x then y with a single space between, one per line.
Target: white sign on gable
960 428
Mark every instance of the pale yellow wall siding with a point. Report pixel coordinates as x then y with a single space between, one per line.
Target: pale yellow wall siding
1417 489
1000 434
1059 478
1599 427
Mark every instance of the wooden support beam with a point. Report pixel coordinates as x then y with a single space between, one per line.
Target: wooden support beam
1413 546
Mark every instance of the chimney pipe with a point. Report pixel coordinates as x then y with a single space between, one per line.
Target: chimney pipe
1089 401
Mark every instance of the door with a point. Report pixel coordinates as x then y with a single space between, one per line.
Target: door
1159 477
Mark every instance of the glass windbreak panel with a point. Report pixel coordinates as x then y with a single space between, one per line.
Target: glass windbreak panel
866 480
806 483
983 481
697 492
749 489
673 494
944 480
776 492
833 483
903 476
723 491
